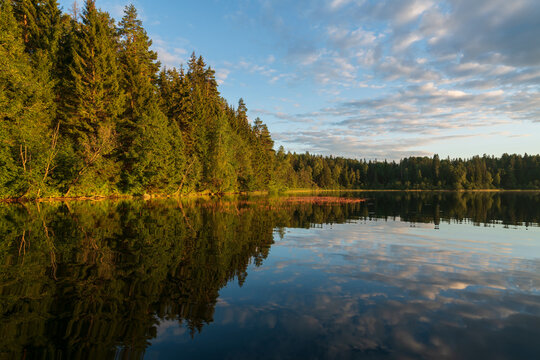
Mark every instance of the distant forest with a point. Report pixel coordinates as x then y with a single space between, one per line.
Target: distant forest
486 172
86 109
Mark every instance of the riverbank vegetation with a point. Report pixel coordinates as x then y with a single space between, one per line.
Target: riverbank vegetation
86 109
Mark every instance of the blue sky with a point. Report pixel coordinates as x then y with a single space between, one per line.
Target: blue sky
367 79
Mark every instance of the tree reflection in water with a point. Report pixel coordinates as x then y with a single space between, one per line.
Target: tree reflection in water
95 279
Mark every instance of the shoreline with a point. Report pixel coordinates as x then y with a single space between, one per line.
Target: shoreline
410 190
251 193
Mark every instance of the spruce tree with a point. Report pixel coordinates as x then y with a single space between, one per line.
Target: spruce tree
96 100
139 67
147 146
205 107
177 103
243 148
220 169
263 154
40 22
26 142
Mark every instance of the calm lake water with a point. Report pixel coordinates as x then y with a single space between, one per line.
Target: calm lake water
400 276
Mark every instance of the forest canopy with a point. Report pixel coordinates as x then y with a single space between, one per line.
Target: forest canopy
87 109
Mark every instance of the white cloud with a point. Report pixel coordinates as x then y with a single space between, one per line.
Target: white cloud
169 55
343 38
335 4
402 43
399 67
221 75
410 10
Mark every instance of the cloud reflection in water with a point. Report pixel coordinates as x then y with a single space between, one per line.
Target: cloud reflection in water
384 289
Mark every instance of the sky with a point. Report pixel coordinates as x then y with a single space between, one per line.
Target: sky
381 79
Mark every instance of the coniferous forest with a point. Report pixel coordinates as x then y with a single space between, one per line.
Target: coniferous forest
86 109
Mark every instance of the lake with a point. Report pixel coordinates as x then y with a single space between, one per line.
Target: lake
439 275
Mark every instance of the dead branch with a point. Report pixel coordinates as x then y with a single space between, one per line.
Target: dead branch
52 155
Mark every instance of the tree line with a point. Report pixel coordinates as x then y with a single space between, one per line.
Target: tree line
87 109
430 173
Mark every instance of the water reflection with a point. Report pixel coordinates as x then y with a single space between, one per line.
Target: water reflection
383 295
165 278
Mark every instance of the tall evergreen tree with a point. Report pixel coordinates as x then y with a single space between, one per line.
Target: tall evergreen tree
145 134
244 148
220 169
263 154
26 147
205 108
139 66
96 99
177 103
40 22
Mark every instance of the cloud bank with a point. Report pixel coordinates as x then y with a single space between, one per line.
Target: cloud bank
414 72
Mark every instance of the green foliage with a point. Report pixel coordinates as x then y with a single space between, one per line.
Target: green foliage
40 22
95 103
86 110
151 148
26 140
486 172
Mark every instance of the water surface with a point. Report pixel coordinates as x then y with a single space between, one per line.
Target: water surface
402 275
